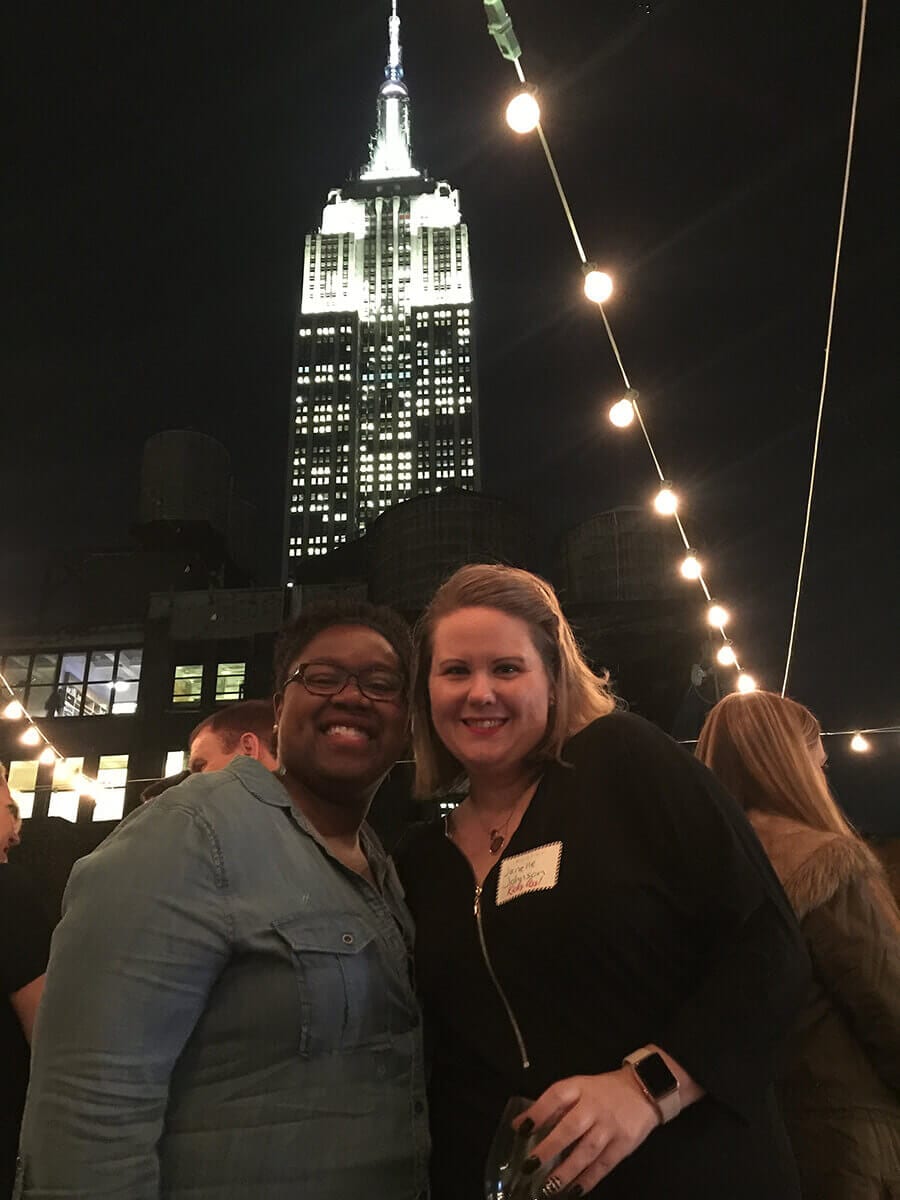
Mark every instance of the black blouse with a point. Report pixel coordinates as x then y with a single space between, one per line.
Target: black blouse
666 925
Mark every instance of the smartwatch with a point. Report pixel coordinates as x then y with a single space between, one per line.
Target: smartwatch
656 1081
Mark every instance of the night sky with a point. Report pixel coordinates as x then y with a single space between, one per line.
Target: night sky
166 161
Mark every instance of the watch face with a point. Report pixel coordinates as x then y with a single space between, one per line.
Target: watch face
656 1076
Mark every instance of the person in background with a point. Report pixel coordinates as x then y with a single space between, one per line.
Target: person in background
158 786
247 728
24 947
229 1011
597 928
840 1088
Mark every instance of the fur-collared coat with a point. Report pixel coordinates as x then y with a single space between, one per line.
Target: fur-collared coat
840 1088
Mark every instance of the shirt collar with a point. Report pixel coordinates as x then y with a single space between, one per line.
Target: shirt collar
268 788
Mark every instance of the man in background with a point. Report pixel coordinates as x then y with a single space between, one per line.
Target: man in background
24 949
247 728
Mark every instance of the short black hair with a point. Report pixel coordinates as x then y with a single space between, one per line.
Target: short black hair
326 613
245 716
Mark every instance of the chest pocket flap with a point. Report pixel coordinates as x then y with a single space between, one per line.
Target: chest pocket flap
345 996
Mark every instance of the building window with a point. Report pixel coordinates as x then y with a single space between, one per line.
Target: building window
188 685
230 682
112 772
76 683
63 796
22 779
176 762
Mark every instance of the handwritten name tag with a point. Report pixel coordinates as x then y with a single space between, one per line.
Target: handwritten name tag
534 871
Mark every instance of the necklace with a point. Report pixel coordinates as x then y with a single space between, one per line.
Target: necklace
496 834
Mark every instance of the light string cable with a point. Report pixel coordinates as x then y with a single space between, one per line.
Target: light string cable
827 359
858 741
598 287
14 710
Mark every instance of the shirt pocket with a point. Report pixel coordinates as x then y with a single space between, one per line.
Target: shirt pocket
344 994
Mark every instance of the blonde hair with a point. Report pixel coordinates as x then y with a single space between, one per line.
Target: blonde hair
758 745
580 696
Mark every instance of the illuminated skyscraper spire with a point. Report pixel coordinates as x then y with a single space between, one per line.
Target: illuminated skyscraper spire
390 152
383 404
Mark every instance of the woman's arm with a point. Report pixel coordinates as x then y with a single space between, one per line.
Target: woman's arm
855 948
724 1036
143 938
25 1003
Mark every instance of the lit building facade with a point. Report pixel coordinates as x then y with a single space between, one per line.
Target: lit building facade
384 402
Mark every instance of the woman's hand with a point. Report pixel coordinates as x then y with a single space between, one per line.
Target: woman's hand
598 1119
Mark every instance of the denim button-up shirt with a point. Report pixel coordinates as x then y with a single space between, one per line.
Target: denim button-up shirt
228 1015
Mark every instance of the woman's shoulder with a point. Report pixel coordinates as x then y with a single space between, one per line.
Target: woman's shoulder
417 842
812 864
623 736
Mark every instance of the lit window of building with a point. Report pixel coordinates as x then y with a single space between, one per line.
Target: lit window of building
188 685
64 796
112 774
230 682
22 781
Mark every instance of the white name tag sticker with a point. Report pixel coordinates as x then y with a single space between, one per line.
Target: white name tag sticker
534 871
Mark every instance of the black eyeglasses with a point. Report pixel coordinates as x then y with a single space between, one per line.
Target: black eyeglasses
324 679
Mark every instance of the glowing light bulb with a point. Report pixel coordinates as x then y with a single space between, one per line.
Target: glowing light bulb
860 744
598 286
717 615
746 683
666 501
690 566
47 756
30 737
523 113
622 412
726 656
13 711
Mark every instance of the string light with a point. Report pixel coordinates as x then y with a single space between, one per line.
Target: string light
598 286
31 735
690 566
666 500
523 113
746 683
622 412
717 616
725 655
860 744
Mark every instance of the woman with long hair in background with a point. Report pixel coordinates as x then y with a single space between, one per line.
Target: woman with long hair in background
840 1089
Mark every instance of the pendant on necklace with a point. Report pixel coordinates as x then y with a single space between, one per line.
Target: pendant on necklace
496 841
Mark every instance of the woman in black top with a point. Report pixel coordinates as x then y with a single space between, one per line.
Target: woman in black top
595 896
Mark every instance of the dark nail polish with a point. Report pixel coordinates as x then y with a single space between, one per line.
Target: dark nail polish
575 1191
526 1129
530 1165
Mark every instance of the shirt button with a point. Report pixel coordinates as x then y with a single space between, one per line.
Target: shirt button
418 1108
347 939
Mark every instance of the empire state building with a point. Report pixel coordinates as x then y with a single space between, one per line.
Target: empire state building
383 403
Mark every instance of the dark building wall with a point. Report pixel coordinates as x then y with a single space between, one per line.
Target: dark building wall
416 545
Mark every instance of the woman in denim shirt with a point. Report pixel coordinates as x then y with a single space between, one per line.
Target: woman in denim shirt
228 1012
